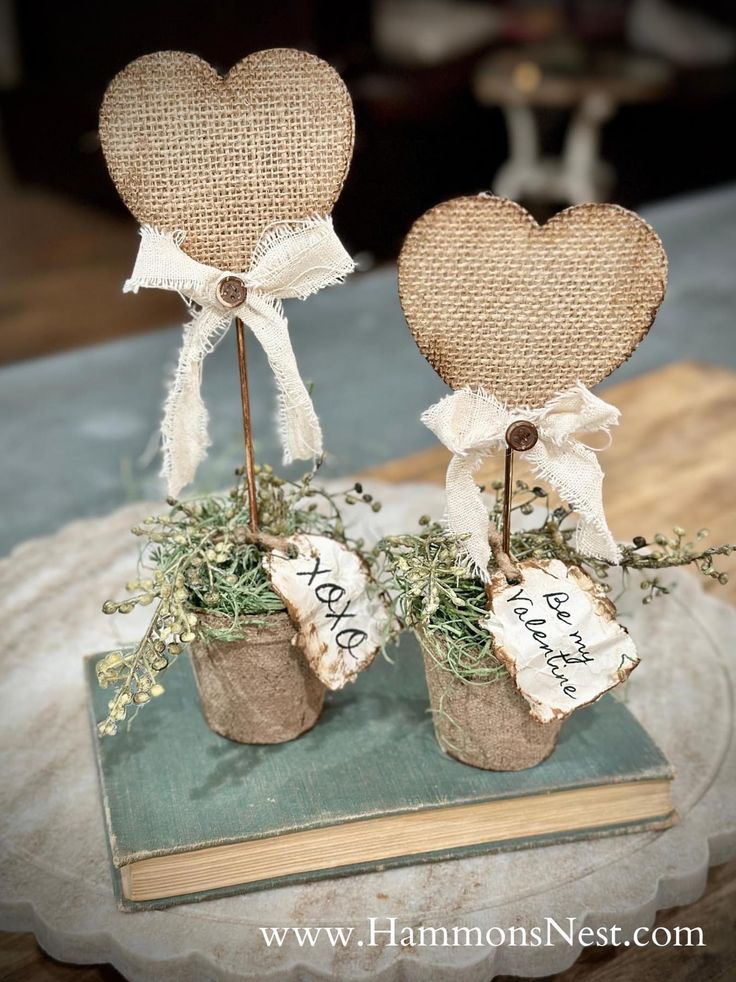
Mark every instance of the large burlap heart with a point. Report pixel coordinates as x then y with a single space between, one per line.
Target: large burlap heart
493 299
224 157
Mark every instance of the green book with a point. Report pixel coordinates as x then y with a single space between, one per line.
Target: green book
191 815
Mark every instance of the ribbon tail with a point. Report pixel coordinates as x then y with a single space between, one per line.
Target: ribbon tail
574 472
162 264
466 513
301 434
469 424
184 427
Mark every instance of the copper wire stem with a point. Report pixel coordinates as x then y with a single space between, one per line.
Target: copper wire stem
508 472
250 470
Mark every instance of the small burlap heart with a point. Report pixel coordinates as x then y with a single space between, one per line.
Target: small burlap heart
493 299
224 157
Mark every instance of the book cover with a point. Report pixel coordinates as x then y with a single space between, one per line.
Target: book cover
171 785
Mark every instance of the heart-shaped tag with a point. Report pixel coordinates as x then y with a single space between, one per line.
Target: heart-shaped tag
495 300
222 158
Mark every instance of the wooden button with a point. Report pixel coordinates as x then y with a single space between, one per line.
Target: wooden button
231 291
522 435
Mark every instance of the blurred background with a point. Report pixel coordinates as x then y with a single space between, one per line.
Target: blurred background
544 101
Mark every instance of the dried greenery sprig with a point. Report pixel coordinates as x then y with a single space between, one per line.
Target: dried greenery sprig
201 558
437 595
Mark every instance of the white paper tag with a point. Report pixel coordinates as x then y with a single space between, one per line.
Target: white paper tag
557 634
339 627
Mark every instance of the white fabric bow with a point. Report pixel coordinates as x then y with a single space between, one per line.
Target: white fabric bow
472 425
292 259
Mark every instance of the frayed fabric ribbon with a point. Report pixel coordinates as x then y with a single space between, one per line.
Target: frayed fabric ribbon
291 260
472 425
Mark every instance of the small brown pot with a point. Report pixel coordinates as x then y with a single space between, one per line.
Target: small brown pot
488 724
258 688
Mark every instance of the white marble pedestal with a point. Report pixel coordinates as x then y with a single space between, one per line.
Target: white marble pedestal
54 877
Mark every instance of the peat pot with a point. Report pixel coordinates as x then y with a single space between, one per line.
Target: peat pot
258 688
484 724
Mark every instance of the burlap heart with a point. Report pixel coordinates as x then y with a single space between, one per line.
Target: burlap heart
224 157
495 300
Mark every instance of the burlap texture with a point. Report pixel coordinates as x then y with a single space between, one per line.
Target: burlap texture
221 158
489 725
258 689
495 300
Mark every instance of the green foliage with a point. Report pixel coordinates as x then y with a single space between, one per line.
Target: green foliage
201 558
437 595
